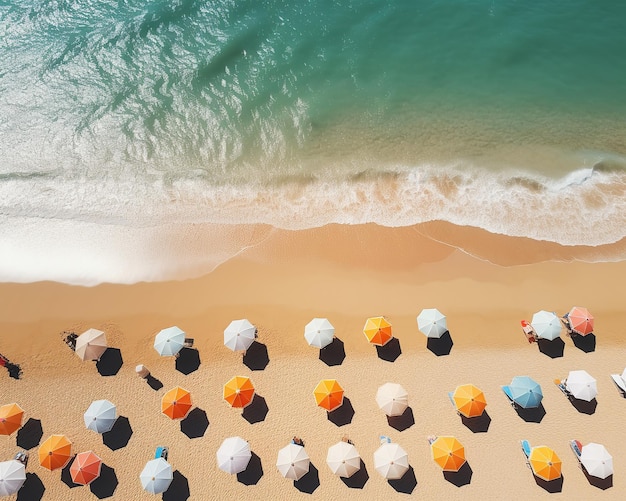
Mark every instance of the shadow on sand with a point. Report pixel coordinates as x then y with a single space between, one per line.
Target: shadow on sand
110 362
359 479
32 489
406 484
178 489
552 349
104 486
195 424
440 346
118 436
600 483
551 486
309 482
583 406
532 414
256 411
403 421
253 472
585 343
188 361
478 424
391 351
66 476
153 382
257 357
29 435
461 477
334 353
343 414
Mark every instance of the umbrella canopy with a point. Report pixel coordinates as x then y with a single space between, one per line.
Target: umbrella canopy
525 392
448 453
581 385
169 341
176 403
343 459
545 463
12 476
392 398
239 335
11 416
156 476
328 394
85 468
239 391
100 416
319 332
55 452
596 460
233 455
580 320
391 461
377 331
469 400
293 462
432 323
91 344
546 324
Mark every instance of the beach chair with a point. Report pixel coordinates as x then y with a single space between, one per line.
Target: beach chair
161 452
526 449
507 392
431 439
568 327
529 332
620 383
561 385
577 448
384 439
22 457
188 343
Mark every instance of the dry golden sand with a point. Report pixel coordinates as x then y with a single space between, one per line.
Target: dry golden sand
346 275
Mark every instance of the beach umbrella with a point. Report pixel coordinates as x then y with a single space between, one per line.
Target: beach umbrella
545 463
319 332
12 477
448 453
239 335
293 462
328 394
239 391
176 403
596 460
55 452
233 455
85 468
432 323
100 416
91 344
11 416
392 398
580 320
546 324
525 392
391 461
377 331
169 341
469 400
581 385
343 459
156 476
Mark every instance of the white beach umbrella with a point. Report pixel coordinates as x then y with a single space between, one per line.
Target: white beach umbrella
392 398
12 477
581 385
319 332
432 323
343 459
91 344
239 335
169 341
293 462
546 324
100 416
233 455
156 476
391 461
596 460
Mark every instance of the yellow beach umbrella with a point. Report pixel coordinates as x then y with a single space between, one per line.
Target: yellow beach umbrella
239 391
328 394
377 331
448 453
469 400
545 463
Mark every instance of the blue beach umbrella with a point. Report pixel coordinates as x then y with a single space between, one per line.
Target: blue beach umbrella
169 341
524 391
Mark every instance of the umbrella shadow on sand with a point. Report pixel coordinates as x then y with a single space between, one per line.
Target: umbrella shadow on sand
66 476
440 346
178 489
402 422
309 482
358 479
153 382
256 357
110 362
406 484
195 424
390 351
461 477
119 435
552 349
32 489
256 411
104 486
532 414
29 435
585 343
334 353
600 483
583 406
187 360
253 472
478 424
343 414
551 486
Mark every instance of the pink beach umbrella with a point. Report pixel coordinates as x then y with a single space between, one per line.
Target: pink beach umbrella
581 320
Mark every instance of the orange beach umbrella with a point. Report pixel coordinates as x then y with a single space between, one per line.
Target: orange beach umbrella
239 391
10 418
545 463
328 394
55 452
448 453
377 331
176 403
469 400
580 320
85 468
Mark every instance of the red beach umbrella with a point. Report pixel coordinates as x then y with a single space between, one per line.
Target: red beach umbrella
85 468
581 320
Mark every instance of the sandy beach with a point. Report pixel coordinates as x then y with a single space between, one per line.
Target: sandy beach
344 273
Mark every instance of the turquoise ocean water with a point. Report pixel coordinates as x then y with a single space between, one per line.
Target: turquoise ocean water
134 116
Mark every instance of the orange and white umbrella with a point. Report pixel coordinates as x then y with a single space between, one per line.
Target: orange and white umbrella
328 394
176 403
85 468
448 453
580 320
91 344
55 452
545 463
377 331
239 391
469 400
11 416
